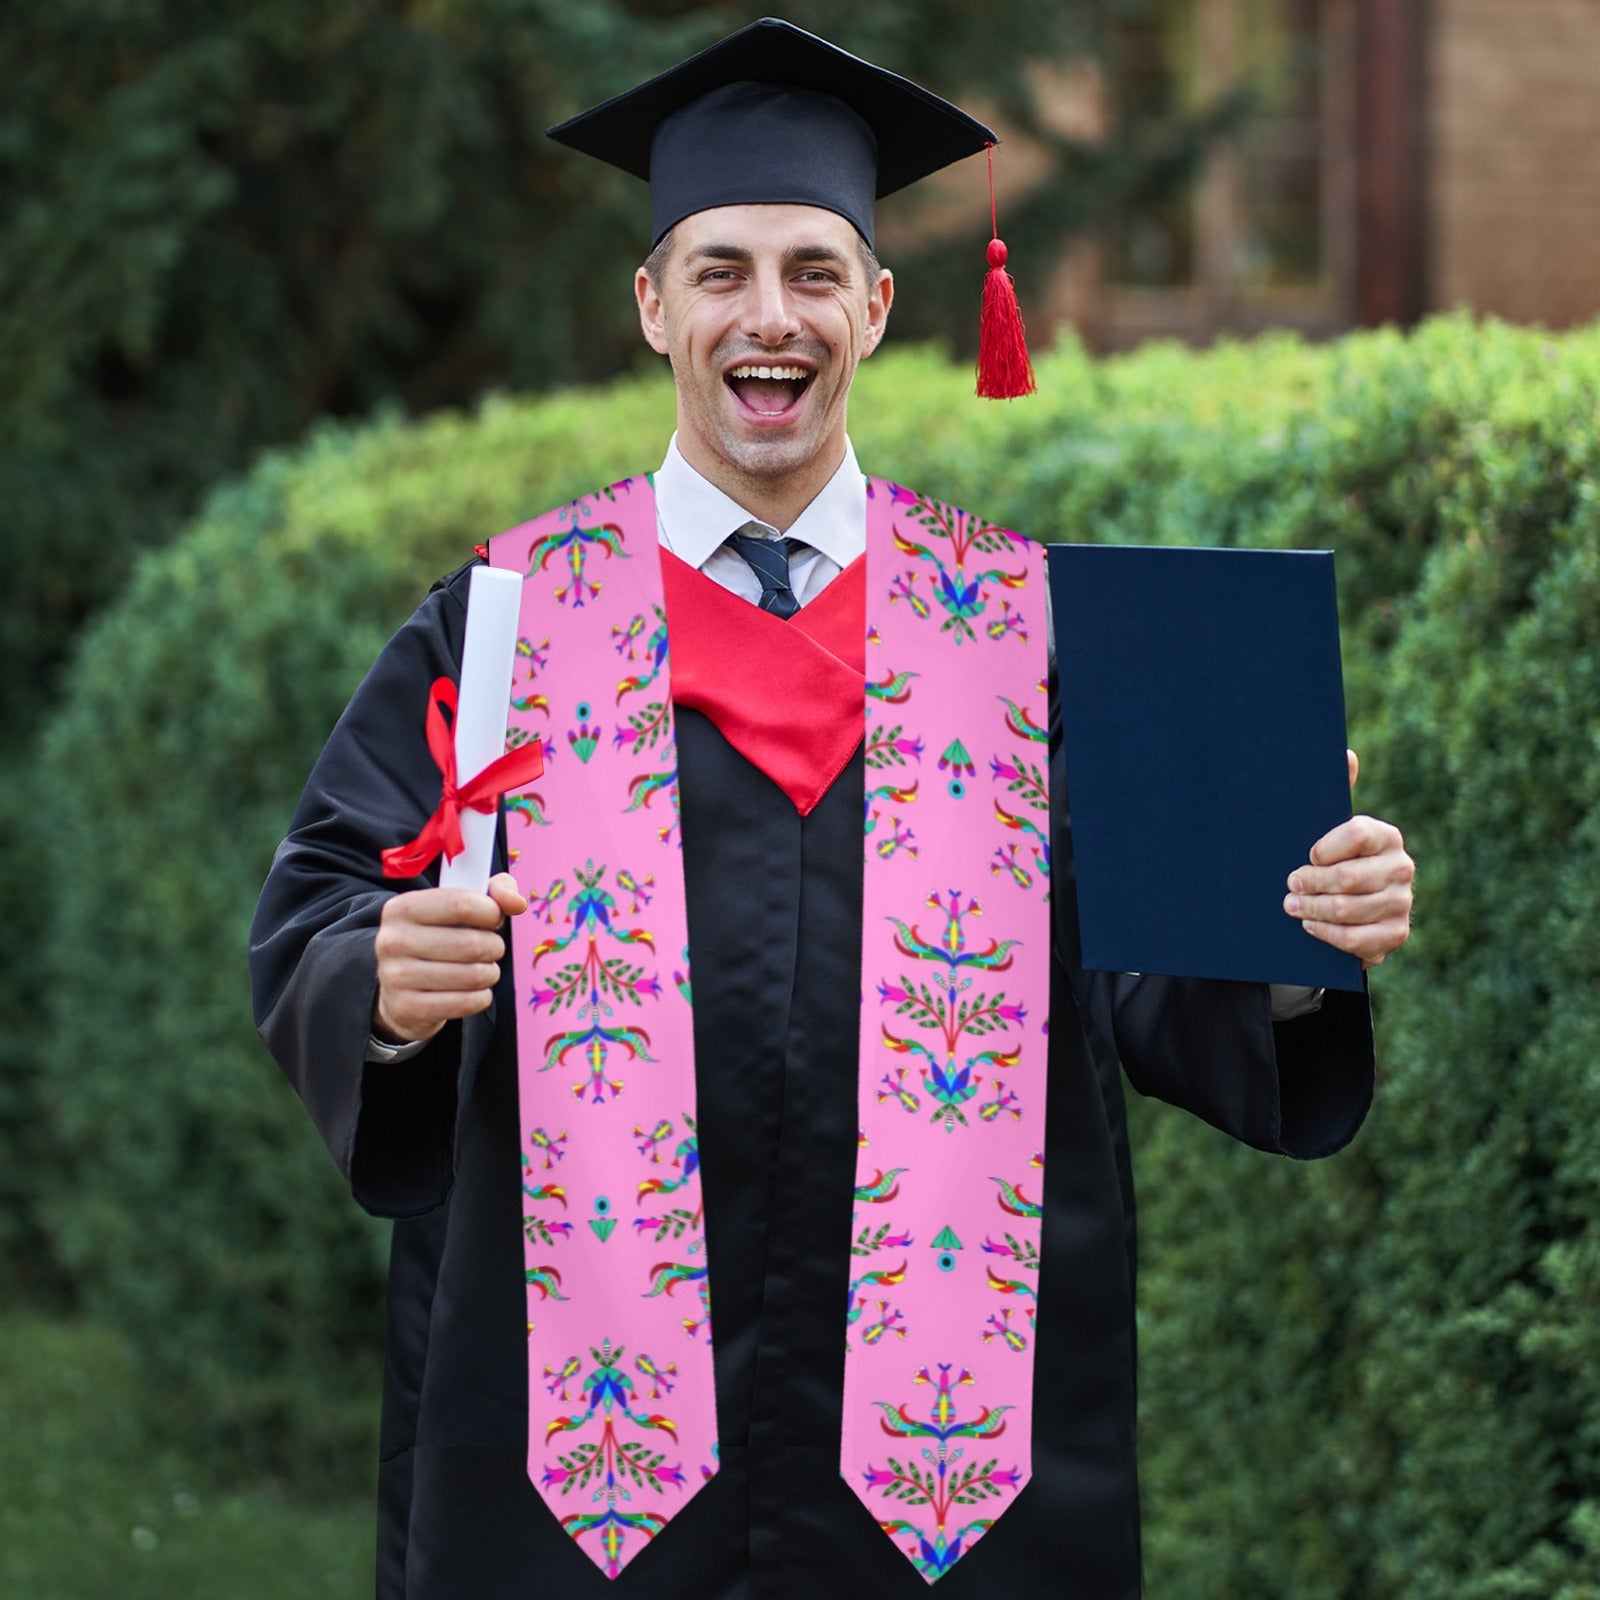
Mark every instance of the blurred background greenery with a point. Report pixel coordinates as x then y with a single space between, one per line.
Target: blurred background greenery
295 308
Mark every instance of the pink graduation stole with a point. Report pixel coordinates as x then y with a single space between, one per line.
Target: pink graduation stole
944 1248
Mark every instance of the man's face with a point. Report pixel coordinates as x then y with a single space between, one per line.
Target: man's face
764 311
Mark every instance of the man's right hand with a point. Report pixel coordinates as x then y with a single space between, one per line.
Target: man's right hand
439 957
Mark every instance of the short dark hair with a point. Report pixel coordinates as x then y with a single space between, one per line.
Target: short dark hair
655 264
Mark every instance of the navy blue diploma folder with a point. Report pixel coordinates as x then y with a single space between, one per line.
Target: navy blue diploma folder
1202 711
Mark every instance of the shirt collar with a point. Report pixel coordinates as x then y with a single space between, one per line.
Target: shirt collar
696 517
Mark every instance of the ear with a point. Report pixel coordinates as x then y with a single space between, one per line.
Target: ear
879 300
652 315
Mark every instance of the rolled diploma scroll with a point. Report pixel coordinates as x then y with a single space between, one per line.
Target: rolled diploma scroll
493 601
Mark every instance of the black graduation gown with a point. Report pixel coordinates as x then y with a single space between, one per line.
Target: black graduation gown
774 905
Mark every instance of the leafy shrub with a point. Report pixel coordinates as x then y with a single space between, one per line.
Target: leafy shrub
1376 1377
193 1209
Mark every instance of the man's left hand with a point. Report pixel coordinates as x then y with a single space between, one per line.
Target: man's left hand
1355 893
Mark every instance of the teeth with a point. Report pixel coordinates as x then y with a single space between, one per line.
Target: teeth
798 374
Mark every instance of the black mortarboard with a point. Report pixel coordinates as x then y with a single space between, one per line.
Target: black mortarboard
774 115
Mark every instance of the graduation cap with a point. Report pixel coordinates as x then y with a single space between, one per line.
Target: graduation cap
773 115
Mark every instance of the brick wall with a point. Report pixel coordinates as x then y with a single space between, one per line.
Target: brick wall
1514 162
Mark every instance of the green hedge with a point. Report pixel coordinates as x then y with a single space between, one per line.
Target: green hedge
1371 1378
1377 1377
191 1203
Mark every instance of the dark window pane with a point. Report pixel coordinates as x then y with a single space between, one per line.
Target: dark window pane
1280 243
1156 78
1269 235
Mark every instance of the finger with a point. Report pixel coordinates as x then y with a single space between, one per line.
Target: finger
447 908
1371 942
1357 875
1353 761
1360 836
417 1015
425 941
436 977
1354 909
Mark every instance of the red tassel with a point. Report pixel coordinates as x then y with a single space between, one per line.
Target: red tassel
1004 370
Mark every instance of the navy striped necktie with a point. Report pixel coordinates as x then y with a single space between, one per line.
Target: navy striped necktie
769 560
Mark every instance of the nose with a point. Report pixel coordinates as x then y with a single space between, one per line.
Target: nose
771 318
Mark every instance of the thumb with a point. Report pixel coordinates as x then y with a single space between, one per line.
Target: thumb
504 892
1354 762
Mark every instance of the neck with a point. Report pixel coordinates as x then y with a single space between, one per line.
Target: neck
778 500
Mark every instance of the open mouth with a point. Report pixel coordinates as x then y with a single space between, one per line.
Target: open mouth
769 391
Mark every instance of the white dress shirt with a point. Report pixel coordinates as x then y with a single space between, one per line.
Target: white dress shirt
695 517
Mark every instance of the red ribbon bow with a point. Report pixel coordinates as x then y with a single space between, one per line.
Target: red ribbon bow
442 831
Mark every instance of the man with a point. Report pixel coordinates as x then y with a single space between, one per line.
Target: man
394 1012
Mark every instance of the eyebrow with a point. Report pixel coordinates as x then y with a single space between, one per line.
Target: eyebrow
738 255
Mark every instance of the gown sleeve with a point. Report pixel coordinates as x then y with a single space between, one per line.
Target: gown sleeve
1300 1088
313 966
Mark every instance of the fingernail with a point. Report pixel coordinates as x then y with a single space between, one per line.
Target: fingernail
1296 882
1291 904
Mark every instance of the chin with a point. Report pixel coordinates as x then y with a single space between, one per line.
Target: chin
771 458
